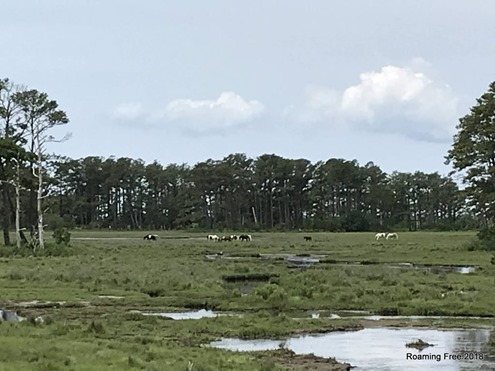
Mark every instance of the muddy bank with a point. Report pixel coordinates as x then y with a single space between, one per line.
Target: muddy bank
287 359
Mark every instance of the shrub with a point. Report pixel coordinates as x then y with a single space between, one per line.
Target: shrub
276 296
96 328
28 250
55 221
485 241
61 236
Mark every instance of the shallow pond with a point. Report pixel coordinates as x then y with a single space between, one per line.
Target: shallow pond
365 315
384 349
309 260
202 313
435 268
414 318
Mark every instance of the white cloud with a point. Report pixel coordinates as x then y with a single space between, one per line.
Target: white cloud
228 110
400 100
127 112
194 116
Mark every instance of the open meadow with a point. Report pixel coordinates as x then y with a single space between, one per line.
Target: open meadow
91 295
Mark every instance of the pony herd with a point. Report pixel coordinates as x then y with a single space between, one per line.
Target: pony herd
387 236
242 237
247 237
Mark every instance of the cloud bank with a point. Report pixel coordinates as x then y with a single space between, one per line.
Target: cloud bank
228 111
398 100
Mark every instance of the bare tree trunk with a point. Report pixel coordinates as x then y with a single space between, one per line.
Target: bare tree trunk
41 237
18 206
5 215
254 216
271 205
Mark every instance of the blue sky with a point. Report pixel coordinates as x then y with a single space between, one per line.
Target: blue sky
181 82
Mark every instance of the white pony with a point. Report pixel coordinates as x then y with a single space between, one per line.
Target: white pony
213 237
380 235
392 235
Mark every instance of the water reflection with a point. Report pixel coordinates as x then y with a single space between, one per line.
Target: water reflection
310 260
383 349
441 269
202 313
415 318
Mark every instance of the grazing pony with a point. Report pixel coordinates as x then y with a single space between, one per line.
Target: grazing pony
150 237
392 235
307 238
380 235
245 237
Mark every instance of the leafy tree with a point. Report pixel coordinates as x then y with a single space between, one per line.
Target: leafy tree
377 197
473 154
39 114
11 135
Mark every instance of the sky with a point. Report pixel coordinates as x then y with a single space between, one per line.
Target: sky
185 81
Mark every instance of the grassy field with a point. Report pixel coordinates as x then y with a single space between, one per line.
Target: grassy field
86 296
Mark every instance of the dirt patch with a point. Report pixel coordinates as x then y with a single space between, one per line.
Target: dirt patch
289 360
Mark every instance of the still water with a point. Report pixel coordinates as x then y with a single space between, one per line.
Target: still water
384 349
202 313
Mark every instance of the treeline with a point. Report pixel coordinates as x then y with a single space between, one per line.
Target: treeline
239 193
235 193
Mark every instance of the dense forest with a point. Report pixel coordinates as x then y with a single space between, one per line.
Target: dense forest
239 193
236 193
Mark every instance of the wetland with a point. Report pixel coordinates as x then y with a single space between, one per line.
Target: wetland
113 301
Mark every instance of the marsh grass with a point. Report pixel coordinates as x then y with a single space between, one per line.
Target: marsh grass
116 272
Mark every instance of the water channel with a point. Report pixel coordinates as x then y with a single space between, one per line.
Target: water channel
384 349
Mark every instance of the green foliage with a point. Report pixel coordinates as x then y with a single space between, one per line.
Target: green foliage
327 224
485 241
61 236
50 249
356 221
273 294
89 295
473 153
96 328
25 118
222 195
55 221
